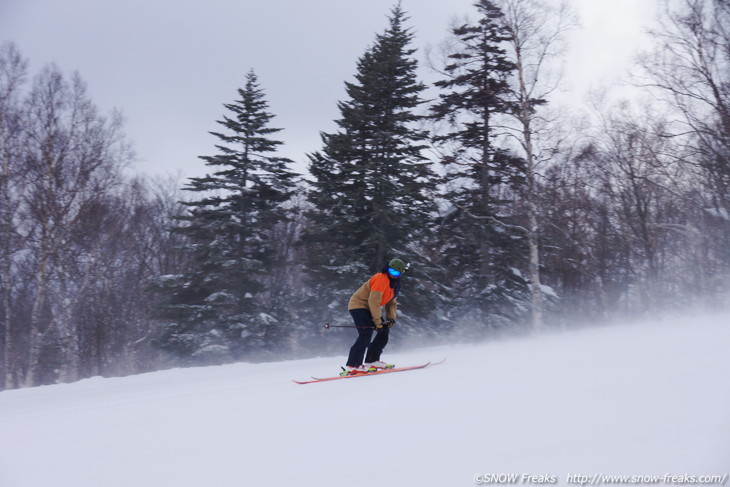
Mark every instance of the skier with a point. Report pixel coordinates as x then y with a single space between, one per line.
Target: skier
364 306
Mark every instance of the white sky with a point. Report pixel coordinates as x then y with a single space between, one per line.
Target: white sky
169 65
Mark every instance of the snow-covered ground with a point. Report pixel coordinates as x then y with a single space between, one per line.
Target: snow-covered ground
645 400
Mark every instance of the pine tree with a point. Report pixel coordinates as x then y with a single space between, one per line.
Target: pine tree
221 308
371 183
479 174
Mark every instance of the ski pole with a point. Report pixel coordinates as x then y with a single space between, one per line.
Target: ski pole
327 326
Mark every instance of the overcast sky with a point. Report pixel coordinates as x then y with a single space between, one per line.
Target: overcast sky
169 65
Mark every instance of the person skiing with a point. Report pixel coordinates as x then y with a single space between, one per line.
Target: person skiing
365 305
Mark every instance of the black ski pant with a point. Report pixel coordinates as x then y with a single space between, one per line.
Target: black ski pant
365 327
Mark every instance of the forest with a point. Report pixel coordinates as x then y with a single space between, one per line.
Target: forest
514 217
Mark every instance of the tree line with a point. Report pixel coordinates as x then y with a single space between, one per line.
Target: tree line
514 215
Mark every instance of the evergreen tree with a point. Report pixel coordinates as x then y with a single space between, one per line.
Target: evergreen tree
371 184
221 309
479 175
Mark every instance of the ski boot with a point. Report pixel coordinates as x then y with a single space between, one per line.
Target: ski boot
361 369
378 365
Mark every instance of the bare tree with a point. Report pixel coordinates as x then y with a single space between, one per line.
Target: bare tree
689 69
125 232
13 70
73 157
625 166
537 42
578 239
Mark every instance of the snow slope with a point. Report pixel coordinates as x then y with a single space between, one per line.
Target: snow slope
650 399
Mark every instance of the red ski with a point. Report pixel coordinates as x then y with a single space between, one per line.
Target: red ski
366 374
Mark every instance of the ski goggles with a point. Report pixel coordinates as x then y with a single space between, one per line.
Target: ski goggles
394 272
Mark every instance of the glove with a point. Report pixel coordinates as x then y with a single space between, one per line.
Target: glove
389 322
378 325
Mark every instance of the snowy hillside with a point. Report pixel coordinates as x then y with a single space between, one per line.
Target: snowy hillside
651 399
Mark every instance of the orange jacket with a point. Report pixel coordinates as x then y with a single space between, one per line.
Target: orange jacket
373 294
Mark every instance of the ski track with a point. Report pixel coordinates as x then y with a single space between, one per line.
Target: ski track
643 399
